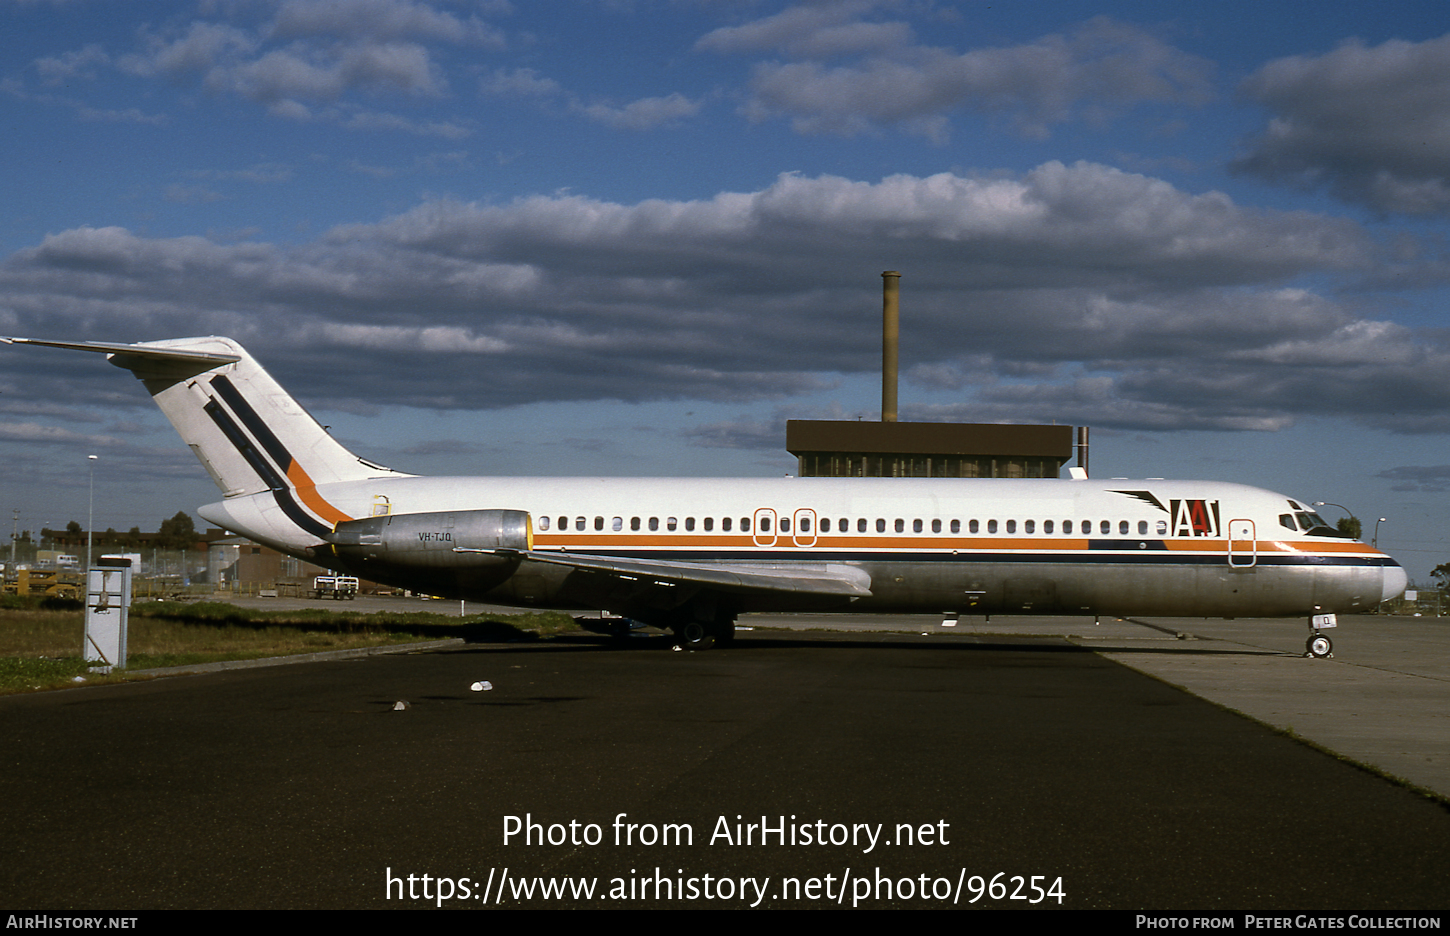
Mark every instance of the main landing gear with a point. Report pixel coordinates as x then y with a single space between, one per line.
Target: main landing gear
695 634
1319 645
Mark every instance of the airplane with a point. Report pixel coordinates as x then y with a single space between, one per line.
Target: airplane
691 554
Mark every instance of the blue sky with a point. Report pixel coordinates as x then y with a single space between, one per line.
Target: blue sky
634 238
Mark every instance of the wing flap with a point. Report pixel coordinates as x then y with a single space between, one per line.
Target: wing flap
813 578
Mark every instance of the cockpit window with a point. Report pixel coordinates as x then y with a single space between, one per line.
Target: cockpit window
1313 525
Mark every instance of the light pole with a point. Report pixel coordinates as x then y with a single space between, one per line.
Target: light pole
1346 510
90 512
1376 541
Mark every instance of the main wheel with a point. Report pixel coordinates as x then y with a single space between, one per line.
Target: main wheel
695 636
1320 646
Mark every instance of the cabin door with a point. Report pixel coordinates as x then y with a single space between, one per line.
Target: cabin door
763 530
1243 548
803 532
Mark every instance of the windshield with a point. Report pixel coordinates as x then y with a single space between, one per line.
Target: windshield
1314 525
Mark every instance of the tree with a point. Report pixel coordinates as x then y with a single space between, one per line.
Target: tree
178 532
1350 526
73 528
1441 574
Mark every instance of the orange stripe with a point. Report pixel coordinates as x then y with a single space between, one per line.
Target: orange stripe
308 492
589 539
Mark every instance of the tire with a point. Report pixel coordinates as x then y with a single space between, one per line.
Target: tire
694 636
1319 646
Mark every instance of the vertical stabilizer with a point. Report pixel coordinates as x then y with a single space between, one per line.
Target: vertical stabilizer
250 434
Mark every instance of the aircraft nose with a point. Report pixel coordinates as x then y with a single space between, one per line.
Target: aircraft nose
1394 581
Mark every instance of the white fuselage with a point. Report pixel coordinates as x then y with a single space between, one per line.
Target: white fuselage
967 545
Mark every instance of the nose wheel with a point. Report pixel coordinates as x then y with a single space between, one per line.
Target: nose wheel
1319 646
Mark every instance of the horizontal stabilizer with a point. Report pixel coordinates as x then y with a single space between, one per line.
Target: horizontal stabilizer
139 352
798 577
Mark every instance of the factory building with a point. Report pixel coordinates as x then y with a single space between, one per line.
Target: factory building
892 449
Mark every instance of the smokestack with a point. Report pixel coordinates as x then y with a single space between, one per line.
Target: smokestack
1082 448
890 339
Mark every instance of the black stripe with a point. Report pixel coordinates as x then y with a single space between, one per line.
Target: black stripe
280 489
253 422
807 554
244 445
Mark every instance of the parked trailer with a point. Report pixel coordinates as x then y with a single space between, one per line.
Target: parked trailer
335 586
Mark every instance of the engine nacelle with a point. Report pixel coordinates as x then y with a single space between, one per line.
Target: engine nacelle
435 551
431 540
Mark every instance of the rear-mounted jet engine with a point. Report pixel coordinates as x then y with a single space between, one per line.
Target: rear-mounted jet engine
474 548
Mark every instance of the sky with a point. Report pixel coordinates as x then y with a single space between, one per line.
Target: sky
634 238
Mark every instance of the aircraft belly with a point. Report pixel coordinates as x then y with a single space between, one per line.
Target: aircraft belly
1090 588
986 588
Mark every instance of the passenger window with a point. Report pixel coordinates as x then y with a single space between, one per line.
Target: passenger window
972 527
765 524
690 524
916 526
825 525
654 524
1105 527
634 523
543 523
991 526
880 525
861 525
1162 527
956 526
709 524
579 523
785 524
805 524
936 526
671 523
1066 526
1047 526
616 524
900 525
1142 527
1011 526
1028 526
598 523
1122 528
563 523
744 524
725 524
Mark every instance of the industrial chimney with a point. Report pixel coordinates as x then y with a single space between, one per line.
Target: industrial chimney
890 339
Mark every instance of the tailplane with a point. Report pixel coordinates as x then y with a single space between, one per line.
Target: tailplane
250 434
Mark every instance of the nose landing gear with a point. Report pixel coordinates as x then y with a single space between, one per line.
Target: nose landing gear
1318 645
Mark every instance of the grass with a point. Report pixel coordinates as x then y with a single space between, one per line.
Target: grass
40 647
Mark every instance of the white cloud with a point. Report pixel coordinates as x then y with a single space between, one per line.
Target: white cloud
1371 124
643 114
1070 292
1095 70
380 20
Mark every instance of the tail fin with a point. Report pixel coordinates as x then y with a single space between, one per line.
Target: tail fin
248 433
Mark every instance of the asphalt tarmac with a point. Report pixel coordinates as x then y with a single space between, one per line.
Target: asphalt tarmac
1023 771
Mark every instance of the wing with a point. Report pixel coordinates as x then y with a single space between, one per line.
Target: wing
813 578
